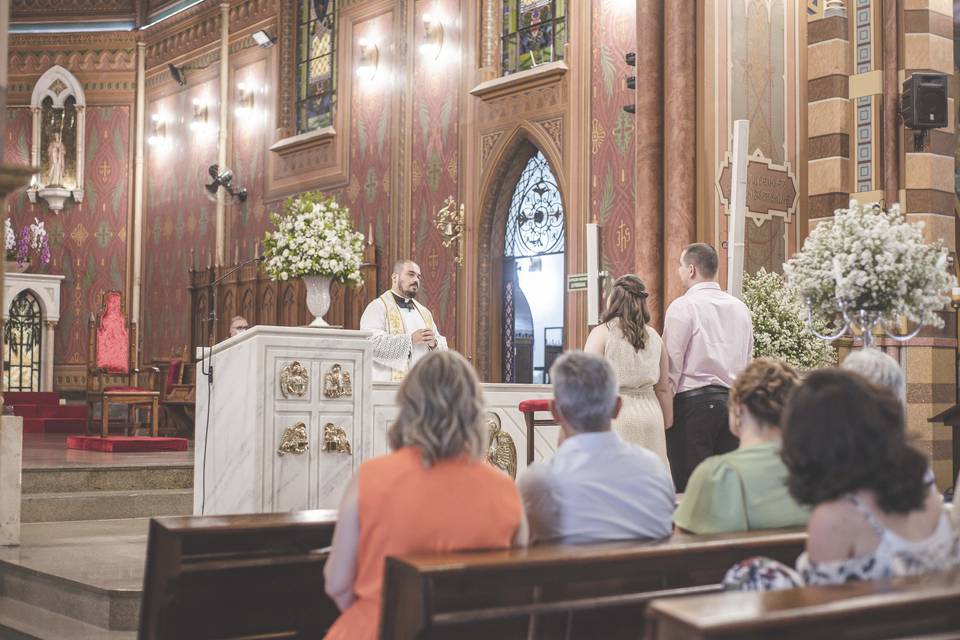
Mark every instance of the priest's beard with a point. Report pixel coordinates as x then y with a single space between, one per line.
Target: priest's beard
408 292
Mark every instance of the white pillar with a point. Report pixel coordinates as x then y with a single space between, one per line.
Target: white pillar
138 185
46 371
11 461
738 207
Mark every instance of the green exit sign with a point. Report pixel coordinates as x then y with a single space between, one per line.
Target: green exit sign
577 282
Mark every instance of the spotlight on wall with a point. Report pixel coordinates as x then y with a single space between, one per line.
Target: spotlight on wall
264 39
369 59
198 122
432 36
246 99
177 74
223 178
158 133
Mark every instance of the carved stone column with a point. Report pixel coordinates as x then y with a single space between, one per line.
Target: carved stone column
680 138
649 154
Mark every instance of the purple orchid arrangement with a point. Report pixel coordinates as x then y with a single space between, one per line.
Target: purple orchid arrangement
31 237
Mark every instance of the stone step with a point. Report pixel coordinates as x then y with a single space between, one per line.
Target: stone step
119 478
104 609
21 621
105 505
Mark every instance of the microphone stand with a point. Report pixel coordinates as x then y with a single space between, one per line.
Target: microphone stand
206 357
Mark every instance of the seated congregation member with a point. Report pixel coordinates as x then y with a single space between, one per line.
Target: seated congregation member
879 368
596 486
434 492
747 488
636 352
873 516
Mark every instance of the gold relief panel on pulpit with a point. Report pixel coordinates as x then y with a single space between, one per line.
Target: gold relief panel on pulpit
294 380
501 450
337 383
294 440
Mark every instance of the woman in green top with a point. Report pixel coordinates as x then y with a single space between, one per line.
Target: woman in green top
746 488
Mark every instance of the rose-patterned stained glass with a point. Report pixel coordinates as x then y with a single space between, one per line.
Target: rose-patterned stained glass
533 33
316 64
535 222
22 344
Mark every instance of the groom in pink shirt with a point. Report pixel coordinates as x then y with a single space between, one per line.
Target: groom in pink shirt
708 335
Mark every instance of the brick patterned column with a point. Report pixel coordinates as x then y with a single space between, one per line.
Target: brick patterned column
928 183
829 60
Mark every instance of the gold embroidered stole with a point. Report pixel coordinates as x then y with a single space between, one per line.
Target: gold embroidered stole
395 326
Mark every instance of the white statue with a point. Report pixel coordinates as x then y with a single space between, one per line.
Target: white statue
56 156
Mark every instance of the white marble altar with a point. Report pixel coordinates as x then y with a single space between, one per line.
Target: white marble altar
11 461
47 290
238 466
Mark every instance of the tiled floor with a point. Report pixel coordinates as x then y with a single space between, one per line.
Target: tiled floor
106 554
49 451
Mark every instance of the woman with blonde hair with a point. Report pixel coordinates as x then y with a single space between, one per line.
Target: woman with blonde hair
747 488
636 353
433 493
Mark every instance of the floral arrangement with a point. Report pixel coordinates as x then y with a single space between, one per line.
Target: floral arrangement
870 259
31 236
314 237
779 330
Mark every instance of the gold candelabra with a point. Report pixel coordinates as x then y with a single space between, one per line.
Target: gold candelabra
449 221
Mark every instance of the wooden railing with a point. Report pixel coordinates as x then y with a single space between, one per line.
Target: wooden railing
251 294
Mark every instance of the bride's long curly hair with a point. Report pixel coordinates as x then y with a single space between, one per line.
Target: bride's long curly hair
628 305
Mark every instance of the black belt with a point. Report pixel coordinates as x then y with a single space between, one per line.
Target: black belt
709 390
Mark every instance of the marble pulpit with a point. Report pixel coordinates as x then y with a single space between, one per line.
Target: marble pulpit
285 422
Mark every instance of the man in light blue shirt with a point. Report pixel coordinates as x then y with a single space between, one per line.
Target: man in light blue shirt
596 487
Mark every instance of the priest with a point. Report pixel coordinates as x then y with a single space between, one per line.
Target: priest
403 329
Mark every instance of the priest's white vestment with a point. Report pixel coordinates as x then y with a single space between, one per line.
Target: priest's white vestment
392 325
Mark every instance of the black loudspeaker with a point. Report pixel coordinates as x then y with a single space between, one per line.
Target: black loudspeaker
925 101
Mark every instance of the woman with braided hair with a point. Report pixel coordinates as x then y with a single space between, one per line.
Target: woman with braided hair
747 488
636 353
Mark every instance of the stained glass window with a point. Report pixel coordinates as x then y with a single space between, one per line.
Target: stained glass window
534 32
535 222
316 63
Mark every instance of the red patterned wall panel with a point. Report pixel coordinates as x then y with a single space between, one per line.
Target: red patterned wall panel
435 160
88 241
179 219
612 179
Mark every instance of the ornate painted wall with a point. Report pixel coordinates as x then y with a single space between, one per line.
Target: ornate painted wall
612 142
179 224
88 241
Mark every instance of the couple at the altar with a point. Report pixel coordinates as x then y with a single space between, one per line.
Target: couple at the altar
403 329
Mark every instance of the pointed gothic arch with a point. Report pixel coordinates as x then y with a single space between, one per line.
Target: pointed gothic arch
499 181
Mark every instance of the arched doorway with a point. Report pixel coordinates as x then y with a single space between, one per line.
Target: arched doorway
22 335
533 275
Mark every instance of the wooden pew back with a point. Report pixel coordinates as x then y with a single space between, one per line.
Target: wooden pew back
906 607
567 591
239 576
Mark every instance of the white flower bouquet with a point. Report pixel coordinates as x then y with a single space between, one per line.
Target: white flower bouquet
314 236
869 259
779 330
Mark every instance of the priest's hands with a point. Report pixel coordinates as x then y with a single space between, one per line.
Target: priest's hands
424 336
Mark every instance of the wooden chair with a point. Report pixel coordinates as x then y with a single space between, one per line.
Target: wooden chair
178 392
232 577
112 351
528 408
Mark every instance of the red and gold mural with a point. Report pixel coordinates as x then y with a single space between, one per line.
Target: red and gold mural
88 241
179 222
612 142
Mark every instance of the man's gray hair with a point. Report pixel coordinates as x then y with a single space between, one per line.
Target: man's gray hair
584 390
879 368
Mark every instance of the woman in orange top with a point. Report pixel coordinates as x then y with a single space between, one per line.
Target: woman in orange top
433 493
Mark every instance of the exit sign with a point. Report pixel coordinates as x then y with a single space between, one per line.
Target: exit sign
577 282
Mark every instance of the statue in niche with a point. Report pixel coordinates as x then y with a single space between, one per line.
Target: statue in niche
56 156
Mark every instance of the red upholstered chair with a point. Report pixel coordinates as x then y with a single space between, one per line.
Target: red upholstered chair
112 353
528 408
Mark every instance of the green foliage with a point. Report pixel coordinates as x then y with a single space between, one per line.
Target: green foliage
779 329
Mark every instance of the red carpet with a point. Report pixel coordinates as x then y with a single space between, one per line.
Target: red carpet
43 413
126 444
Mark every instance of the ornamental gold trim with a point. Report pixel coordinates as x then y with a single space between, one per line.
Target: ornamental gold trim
501 450
294 440
335 439
337 383
294 380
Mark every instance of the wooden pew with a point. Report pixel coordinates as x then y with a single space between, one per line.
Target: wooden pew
239 576
560 591
923 606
